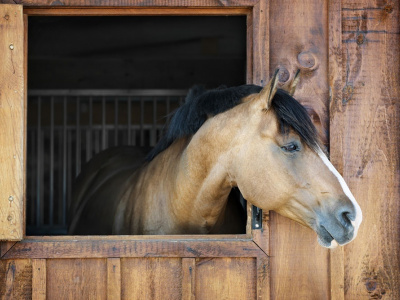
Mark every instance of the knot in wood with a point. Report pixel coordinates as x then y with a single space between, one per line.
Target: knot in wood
388 9
360 39
306 59
7 17
284 75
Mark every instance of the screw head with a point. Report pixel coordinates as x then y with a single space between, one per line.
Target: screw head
12 47
11 198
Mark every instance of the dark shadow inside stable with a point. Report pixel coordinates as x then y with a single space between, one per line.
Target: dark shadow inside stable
99 82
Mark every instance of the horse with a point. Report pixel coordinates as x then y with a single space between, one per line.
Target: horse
258 140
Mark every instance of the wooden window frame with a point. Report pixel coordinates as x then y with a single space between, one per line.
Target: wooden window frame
257 73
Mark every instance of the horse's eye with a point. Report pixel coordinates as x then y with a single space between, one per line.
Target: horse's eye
290 148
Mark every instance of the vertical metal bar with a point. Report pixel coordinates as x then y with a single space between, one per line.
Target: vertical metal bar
129 121
78 138
51 204
116 121
168 108
89 137
65 167
154 129
38 164
103 123
31 161
69 165
141 121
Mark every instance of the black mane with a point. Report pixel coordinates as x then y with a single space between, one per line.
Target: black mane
201 104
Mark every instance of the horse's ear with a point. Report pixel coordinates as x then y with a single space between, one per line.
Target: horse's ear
294 83
268 92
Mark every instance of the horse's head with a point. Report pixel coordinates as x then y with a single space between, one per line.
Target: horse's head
279 165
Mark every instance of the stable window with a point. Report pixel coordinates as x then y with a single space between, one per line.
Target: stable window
100 82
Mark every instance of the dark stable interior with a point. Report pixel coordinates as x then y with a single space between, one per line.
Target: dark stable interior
81 74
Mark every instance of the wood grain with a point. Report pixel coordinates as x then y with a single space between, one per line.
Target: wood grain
298 40
113 278
39 279
188 278
16 279
365 120
11 122
151 278
76 279
226 278
132 248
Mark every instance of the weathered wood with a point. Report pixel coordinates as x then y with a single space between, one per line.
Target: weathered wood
261 236
336 257
298 40
11 122
260 44
227 278
138 3
159 11
132 248
263 278
188 278
151 278
364 118
5 246
76 279
16 279
113 278
38 279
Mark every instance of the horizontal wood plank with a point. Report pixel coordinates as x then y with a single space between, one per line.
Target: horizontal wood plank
132 248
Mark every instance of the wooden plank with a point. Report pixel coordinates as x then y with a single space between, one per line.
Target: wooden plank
129 248
226 278
298 40
260 47
158 11
261 236
263 278
151 278
138 3
76 279
38 279
11 122
188 278
336 257
113 278
365 145
16 279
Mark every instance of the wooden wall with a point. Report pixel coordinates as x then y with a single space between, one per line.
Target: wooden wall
349 54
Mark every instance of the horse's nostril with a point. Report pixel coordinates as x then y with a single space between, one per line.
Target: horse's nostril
345 218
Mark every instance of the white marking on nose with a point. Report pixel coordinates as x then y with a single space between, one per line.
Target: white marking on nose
356 223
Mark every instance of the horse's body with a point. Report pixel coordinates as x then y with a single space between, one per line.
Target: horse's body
261 141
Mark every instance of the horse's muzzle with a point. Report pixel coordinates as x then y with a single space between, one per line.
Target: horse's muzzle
336 226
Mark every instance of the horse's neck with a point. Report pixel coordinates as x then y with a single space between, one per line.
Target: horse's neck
201 185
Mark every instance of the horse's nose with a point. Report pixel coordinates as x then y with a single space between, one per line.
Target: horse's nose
345 214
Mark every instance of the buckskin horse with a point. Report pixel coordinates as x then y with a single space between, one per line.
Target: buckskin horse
259 140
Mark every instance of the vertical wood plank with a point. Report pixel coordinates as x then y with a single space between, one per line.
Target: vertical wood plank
113 278
260 43
76 278
298 40
263 278
11 122
226 278
188 278
151 278
364 118
38 279
336 256
16 279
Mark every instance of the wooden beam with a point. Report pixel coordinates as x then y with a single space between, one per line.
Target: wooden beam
188 278
113 278
133 248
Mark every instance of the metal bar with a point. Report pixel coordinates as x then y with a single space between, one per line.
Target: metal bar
64 176
103 123
38 165
129 121
89 131
51 203
94 93
78 138
116 122
141 121
168 108
153 135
